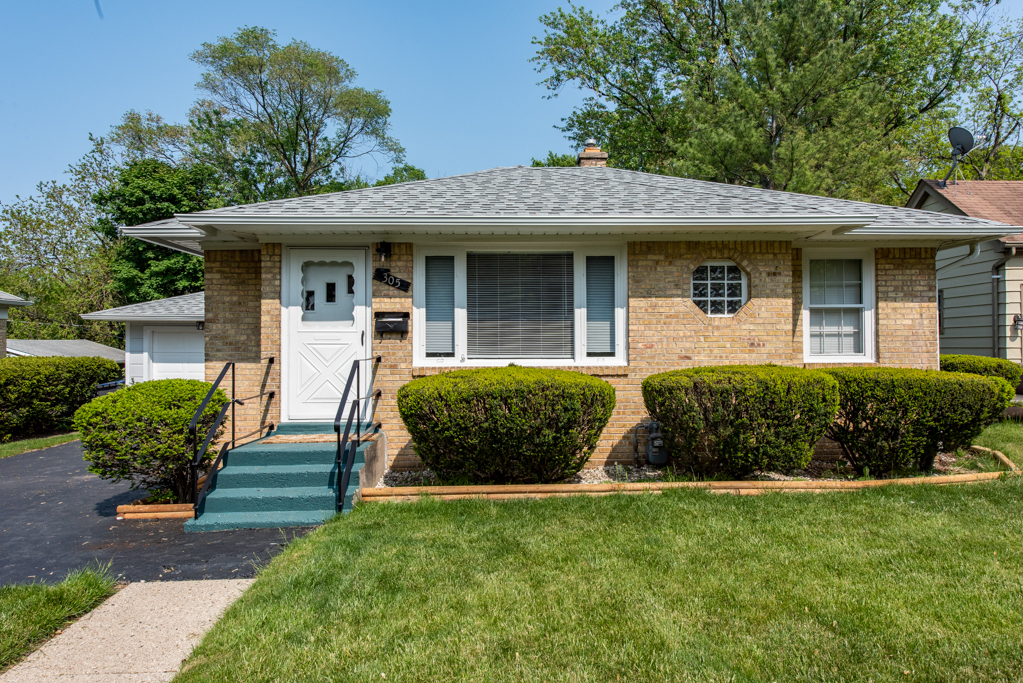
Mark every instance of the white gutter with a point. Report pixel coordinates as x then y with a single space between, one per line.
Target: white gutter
144 318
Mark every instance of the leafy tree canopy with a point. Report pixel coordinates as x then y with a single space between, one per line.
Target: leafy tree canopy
405 173
554 159
800 95
149 190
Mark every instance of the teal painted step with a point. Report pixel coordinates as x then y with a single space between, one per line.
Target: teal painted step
314 428
223 521
276 485
281 476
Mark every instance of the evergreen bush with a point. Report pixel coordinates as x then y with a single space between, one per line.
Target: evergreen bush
507 425
140 434
891 418
741 418
40 395
1008 370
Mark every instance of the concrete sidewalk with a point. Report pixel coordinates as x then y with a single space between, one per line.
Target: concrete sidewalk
140 635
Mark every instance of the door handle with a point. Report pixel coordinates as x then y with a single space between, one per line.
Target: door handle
363 342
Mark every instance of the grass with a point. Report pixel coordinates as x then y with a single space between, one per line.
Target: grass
25 445
31 614
891 584
1006 437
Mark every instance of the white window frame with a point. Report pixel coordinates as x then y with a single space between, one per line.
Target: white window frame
744 280
461 359
866 256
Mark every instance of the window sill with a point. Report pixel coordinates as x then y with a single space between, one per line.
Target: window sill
602 370
842 360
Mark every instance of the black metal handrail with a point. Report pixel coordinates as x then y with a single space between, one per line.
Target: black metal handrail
199 453
345 458
201 495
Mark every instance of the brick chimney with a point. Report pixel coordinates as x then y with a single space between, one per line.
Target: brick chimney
591 155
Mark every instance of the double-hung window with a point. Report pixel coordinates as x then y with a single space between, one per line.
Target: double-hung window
483 306
838 306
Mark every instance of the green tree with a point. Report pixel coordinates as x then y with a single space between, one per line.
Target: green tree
293 107
554 160
149 190
405 173
800 95
51 254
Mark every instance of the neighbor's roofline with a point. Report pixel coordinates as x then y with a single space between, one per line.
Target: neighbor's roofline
192 318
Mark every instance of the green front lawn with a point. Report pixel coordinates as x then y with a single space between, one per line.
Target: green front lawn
891 584
25 445
31 614
1006 437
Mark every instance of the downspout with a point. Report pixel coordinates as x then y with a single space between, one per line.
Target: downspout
996 345
971 256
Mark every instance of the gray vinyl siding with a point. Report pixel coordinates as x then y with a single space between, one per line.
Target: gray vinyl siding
932 204
966 294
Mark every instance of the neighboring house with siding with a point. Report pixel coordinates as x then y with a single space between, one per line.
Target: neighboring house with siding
614 273
8 301
162 339
980 283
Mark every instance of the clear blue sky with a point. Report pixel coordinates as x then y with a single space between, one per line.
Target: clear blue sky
457 73
463 92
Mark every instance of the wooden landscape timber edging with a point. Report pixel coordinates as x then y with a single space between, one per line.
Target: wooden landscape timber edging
165 511
741 488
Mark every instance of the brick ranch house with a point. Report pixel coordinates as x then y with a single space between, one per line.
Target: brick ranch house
613 273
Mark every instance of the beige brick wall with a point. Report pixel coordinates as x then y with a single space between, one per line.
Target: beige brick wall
666 330
396 367
907 310
235 289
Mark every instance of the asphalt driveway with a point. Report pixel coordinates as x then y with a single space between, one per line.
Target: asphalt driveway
56 516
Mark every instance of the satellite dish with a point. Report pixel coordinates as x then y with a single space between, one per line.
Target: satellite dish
961 139
962 142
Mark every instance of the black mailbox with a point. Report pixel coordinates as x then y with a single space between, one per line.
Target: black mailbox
391 322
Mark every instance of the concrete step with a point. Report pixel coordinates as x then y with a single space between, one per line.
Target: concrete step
220 521
280 476
259 454
290 499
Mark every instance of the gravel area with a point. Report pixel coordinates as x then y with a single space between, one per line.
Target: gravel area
946 463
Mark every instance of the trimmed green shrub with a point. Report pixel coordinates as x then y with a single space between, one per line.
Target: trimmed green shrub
140 433
40 395
891 418
506 425
1008 370
741 418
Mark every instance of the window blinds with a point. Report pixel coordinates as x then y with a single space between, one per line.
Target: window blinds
600 305
519 305
440 306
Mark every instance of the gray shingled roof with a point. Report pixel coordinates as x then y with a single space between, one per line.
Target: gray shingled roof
63 347
564 192
8 299
187 307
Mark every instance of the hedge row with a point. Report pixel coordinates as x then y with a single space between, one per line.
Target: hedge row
140 434
41 395
738 419
982 365
506 425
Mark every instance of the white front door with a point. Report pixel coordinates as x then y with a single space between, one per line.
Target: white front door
326 313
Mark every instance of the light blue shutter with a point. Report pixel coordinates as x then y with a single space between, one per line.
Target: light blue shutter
600 306
440 306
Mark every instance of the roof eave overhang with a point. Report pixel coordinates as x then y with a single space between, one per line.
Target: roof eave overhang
144 318
172 238
9 303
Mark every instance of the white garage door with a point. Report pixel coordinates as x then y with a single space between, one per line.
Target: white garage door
177 354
